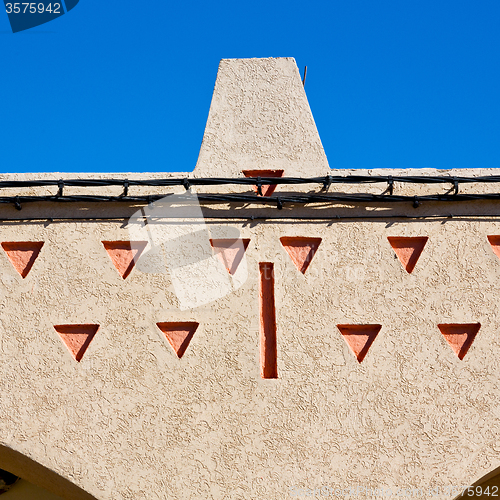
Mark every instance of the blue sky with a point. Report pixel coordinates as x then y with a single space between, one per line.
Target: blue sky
126 86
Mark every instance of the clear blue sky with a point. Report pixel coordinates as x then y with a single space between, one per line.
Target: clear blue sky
126 86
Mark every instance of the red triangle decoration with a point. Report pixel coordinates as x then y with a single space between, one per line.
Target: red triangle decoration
77 338
179 334
408 249
359 338
301 250
460 336
495 244
230 252
267 190
22 254
124 254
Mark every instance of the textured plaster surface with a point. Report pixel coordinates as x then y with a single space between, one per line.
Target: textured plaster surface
124 254
260 119
268 344
230 252
132 420
359 338
486 487
22 254
301 250
179 335
77 338
460 336
266 190
408 250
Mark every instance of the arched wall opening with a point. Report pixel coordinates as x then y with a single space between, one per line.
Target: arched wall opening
31 471
486 487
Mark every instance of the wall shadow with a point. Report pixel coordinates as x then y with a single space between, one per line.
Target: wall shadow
26 468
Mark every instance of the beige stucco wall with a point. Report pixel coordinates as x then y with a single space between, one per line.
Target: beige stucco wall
260 119
133 421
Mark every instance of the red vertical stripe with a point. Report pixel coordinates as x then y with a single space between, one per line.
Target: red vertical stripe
268 348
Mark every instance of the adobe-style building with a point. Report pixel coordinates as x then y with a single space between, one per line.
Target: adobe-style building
261 328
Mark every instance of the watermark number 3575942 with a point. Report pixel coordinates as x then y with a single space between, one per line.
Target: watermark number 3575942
26 15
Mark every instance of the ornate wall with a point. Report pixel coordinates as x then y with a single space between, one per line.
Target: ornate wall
260 351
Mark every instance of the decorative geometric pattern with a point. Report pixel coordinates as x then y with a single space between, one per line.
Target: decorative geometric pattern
22 254
301 250
124 254
77 338
267 190
460 336
359 338
408 249
179 334
495 244
230 252
268 345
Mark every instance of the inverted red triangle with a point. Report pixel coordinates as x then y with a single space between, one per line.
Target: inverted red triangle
301 250
124 254
495 244
408 249
359 338
179 334
22 254
267 190
230 252
460 336
77 337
